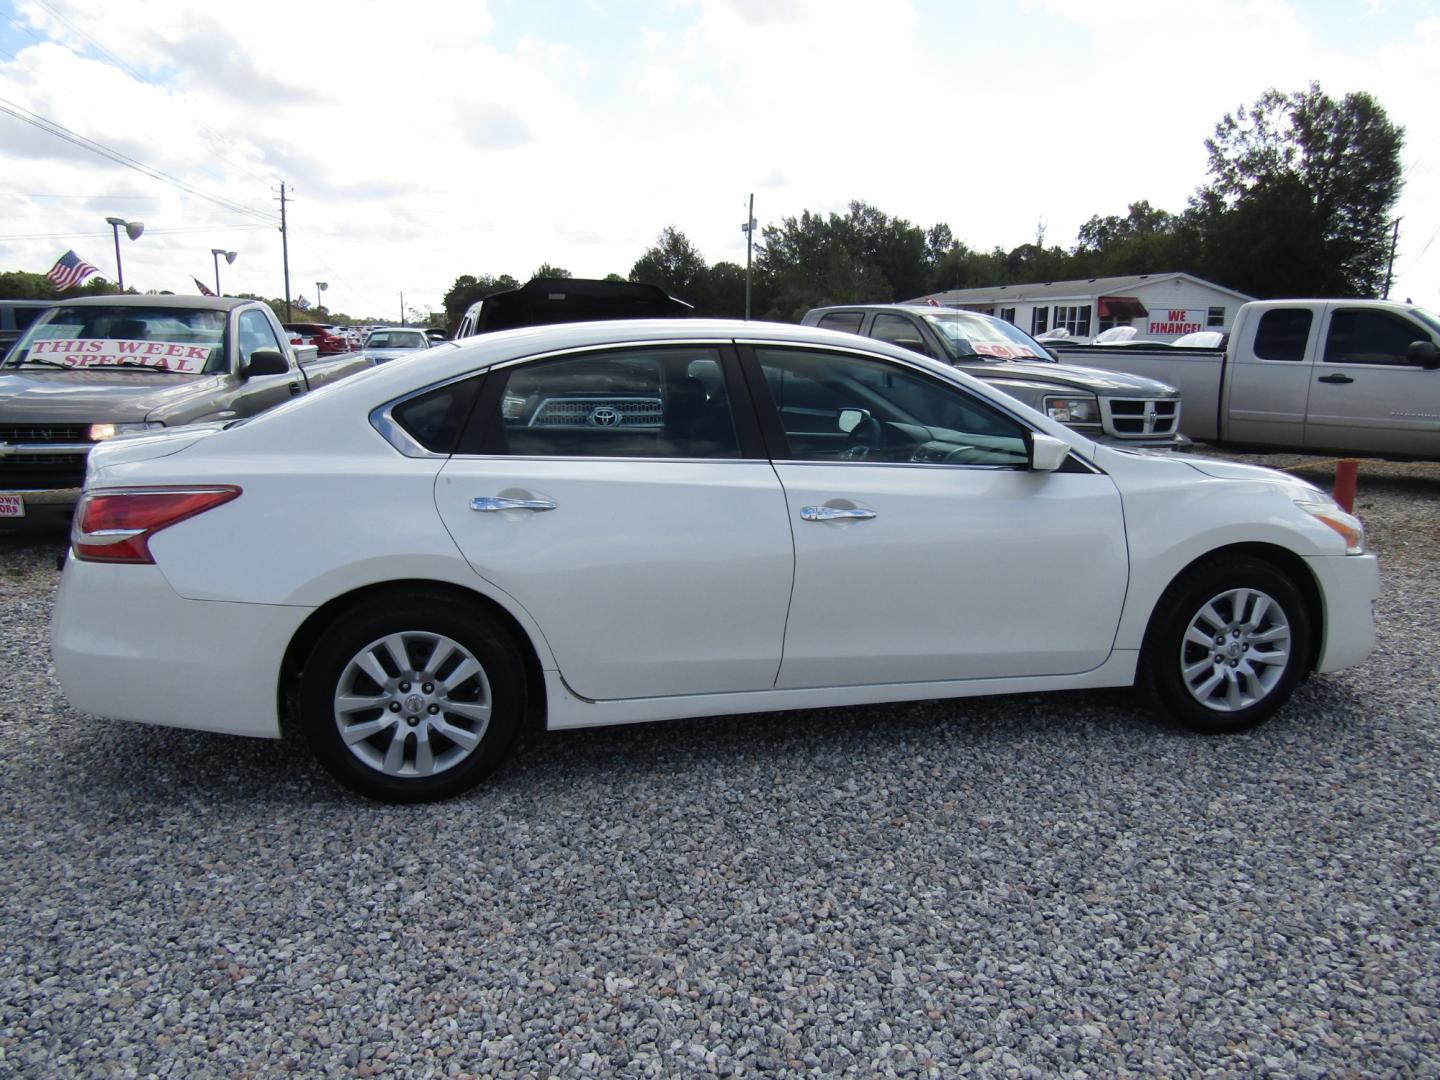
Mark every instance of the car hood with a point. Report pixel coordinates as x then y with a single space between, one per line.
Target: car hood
1101 382
391 354
35 394
1238 470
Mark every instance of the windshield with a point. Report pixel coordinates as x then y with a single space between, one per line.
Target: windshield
177 340
967 334
1429 318
390 339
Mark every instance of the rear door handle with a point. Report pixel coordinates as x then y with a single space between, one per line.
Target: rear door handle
489 504
1336 379
835 513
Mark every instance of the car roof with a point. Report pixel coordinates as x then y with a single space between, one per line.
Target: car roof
189 303
916 308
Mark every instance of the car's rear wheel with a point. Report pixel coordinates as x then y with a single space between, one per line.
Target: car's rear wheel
410 700
1227 645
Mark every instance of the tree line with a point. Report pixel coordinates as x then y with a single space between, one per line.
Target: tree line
1297 202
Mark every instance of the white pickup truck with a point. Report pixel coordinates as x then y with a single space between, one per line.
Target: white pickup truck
1328 376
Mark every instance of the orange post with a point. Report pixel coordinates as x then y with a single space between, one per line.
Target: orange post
1346 473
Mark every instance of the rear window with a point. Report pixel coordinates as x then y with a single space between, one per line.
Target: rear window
168 339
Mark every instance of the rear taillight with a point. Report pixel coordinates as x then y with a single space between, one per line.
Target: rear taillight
115 524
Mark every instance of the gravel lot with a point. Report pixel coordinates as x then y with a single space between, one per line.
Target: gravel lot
1024 886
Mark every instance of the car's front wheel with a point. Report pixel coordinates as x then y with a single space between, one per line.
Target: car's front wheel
411 700
1227 645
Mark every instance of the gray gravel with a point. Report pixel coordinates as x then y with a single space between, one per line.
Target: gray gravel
1024 886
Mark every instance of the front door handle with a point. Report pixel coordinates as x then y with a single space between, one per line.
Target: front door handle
835 513
1336 379
489 504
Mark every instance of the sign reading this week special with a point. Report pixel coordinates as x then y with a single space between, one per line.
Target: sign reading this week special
107 352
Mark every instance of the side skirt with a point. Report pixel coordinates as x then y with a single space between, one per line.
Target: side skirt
568 710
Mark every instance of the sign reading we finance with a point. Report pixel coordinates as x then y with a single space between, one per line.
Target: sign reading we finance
107 352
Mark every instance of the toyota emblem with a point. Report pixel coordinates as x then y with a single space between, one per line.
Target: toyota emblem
604 416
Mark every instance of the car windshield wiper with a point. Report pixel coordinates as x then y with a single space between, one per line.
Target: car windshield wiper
144 367
38 361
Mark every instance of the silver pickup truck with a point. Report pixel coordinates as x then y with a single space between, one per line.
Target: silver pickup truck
1121 410
96 367
1329 376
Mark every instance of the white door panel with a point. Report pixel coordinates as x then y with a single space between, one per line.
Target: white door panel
962 573
648 578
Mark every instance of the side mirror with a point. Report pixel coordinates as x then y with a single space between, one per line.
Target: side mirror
850 419
1423 353
265 362
1047 453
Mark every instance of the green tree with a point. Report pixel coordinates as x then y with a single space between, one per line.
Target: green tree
673 264
1318 178
468 289
19 285
864 255
548 271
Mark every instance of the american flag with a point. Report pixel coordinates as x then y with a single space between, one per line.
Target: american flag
70 270
204 289
302 303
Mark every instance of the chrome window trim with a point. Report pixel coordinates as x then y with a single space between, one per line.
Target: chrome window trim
402 441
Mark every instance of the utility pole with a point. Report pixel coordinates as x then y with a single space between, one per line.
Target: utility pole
285 250
749 230
402 309
1394 240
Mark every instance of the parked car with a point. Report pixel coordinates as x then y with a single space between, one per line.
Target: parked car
624 521
1126 411
93 368
326 339
1326 376
16 317
393 342
543 301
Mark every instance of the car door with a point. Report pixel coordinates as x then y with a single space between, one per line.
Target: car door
250 396
1365 393
618 496
925 549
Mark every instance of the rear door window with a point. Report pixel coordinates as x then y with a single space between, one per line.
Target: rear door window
668 402
849 321
1282 334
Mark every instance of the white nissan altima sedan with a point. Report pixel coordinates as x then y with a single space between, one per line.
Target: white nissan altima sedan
611 522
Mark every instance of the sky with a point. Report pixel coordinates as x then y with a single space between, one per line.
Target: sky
423 141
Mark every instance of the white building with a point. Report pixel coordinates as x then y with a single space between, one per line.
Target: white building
1161 307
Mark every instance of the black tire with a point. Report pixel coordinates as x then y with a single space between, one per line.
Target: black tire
443 717
1254 655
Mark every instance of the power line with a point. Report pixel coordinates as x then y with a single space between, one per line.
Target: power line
48 195
19 112
148 232
120 62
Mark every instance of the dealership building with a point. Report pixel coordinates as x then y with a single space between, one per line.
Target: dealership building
1161 307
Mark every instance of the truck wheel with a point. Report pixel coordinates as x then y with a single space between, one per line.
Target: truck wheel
1226 646
412 701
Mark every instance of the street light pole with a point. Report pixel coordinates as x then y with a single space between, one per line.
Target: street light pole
133 229
320 287
749 230
229 259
